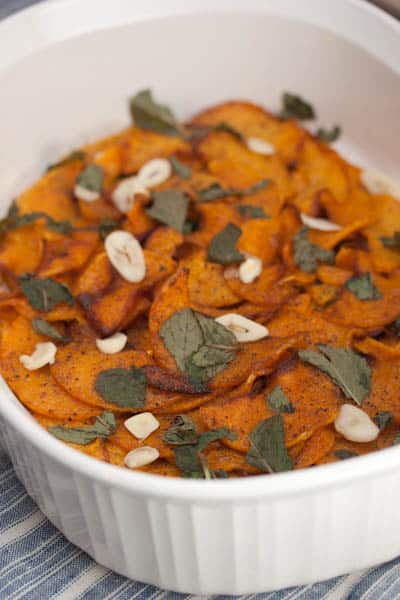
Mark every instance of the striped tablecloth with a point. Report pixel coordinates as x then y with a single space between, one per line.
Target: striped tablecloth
38 563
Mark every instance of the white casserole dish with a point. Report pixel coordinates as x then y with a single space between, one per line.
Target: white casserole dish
67 68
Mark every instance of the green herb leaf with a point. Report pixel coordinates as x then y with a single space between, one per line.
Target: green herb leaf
148 114
123 387
363 287
222 248
14 221
279 402
328 135
348 369
183 171
308 255
267 447
182 431
91 178
72 157
169 207
229 129
252 212
296 107
383 418
106 226
45 294
43 327
343 454
189 226
396 326
215 191
392 242
59 226
201 346
104 426
208 437
396 439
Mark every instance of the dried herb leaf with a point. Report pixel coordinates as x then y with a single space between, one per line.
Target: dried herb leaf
43 327
106 226
169 207
279 402
182 431
222 248
328 135
45 294
344 454
91 178
72 157
383 418
307 255
295 107
183 171
148 114
14 221
392 242
123 387
229 129
348 369
267 447
104 426
201 346
396 326
215 191
363 287
252 212
396 439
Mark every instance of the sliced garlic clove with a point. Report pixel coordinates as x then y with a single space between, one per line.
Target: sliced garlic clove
244 329
250 269
124 194
320 224
231 272
113 344
44 354
141 457
379 183
126 255
154 172
86 195
355 425
260 146
142 425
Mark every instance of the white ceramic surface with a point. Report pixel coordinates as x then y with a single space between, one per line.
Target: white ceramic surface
67 68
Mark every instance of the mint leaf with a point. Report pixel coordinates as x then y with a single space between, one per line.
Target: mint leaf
43 327
267 447
362 287
328 135
344 454
222 248
252 212
148 114
182 170
182 431
123 387
383 418
106 226
45 294
104 426
14 221
215 191
72 157
279 402
169 207
229 129
349 370
295 107
307 256
91 178
392 242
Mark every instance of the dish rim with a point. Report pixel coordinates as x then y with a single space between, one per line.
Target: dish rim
304 481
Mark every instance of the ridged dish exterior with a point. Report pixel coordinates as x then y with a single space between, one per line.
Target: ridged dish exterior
207 547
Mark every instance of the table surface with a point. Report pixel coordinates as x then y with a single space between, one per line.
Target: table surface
38 563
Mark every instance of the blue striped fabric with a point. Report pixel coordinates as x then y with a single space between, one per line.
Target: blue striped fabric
38 563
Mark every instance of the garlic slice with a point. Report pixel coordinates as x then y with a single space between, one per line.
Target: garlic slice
124 194
250 269
126 255
320 224
355 425
142 425
231 272
379 183
140 457
86 195
113 344
154 172
244 329
44 354
260 146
